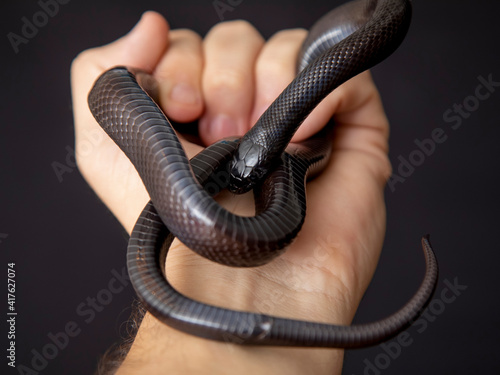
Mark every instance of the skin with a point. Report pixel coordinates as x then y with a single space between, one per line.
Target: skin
226 80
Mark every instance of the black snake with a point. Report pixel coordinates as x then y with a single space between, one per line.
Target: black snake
345 42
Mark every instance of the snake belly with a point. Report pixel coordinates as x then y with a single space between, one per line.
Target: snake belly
181 203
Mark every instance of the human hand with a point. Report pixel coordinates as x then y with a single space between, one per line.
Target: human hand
227 80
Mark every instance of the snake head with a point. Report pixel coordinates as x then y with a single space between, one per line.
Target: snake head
246 169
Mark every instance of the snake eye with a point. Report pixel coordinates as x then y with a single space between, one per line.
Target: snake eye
259 173
256 176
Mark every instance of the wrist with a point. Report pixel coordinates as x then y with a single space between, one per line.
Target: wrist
159 349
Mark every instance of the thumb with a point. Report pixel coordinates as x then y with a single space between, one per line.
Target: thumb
141 48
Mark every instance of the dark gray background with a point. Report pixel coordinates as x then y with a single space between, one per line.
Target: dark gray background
66 244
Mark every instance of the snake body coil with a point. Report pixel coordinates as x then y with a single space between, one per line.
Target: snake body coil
181 203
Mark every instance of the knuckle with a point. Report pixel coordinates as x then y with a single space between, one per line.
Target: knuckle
242 26
83 57
236 28
290 35
84 61
380 165
385 168
232 80
275 67
79 60
185 34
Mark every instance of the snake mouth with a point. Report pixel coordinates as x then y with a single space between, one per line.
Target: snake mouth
243 178
239 181
238 190
238 185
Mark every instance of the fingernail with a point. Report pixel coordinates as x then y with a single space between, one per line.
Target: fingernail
184 93
223 126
